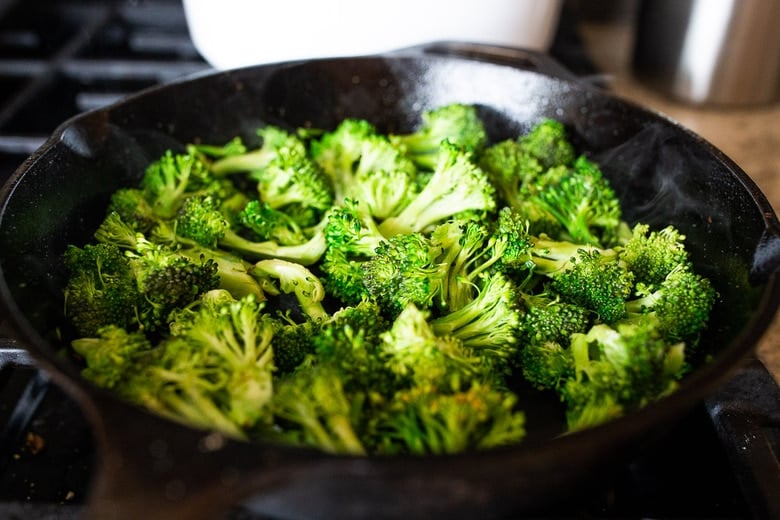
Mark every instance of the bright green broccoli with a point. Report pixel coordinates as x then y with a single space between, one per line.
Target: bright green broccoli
618 370
457 123
426 419
457 185
272 139
293 278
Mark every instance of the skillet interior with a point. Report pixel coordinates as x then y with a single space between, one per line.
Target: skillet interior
662 173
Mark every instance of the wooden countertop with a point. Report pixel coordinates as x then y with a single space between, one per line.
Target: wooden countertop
749 136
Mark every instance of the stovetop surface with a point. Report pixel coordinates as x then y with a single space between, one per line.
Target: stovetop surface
60 58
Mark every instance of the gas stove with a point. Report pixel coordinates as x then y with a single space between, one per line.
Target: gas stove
60 58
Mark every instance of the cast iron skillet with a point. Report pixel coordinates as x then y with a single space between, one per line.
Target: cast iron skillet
153 468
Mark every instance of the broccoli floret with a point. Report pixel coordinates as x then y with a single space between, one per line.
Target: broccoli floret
267 223
168 181
487 324
510 167
167 280
403 270
598 283
293 278
548 143
316 410
457 123
291 182
293 343
218 372
544 332
232 148
113 355
132 207
201 222
581 200
351 238
415 353
457 185
101 289
338 151
618 370
424 419
652 255
351 342
682 304
364 165
272 139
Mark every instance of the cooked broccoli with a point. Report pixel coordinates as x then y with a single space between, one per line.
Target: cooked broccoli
425 419
619 369
319 412
364 165
682 304
369 293
457 123
581 199
652 255
292 182
416 353
272 139
457 185
403 270
267 223
488 324
201 222
351 238
595 282
293 278
546 326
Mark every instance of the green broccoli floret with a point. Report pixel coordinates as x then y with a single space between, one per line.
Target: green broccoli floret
548 143
351 342
416 354
267 223
403 270
168 181
487 324
596 282
425 419
338 151
291 182
457 123
652 255
272 139
232 148
315 410
544 332
218 372
351 238
200 221
293 278
618 370
132 207
364 165
682 304
113 355
456 186
581 200
510 167
101 289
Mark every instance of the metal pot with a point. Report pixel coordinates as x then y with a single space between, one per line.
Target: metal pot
153 468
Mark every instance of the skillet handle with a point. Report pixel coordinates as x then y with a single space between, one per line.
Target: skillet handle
766 257
519 58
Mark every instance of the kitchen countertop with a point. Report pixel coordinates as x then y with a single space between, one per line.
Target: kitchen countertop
749 136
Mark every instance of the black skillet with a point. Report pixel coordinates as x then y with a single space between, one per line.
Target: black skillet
152 468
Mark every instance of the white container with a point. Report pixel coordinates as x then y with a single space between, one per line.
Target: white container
236 33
